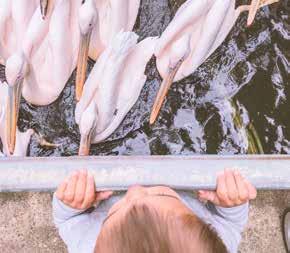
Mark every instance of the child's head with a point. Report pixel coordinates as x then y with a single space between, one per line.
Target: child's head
154 220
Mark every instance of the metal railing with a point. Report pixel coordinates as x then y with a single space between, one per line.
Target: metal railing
120 172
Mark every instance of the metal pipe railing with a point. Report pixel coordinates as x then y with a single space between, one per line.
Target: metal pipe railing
120 172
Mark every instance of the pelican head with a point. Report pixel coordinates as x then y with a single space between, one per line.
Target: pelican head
87 129
88 18
16 69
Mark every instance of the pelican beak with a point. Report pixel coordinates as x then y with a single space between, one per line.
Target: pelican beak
82 63
255 4
44 7
13 104
85 144
163 90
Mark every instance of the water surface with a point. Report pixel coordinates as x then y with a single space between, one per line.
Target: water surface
251 67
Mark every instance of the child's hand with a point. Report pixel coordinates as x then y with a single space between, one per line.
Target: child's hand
232 190
78 191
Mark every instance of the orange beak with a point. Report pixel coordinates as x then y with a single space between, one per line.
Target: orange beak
84 149
163 90
82 64
13 104
255 4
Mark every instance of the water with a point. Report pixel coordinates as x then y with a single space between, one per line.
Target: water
251 67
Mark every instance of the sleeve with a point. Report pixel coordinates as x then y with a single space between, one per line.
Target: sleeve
237 216
230 223
77 228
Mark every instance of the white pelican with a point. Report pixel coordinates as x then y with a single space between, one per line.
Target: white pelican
22 139
99 21
196 31
14 19
49 54
112 87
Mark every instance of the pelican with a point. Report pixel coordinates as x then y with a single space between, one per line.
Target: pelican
22 139
14 20
196 31
41 69
99 21
112 87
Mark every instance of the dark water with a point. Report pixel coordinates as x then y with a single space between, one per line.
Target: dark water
251 66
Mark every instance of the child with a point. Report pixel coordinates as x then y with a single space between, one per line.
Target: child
153 219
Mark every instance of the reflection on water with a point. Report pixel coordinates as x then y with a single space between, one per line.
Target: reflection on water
251 67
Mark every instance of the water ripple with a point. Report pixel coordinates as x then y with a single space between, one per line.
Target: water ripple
251 66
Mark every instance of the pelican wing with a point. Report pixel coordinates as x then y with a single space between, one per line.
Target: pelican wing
15 16
22 11
36 33
205 22
210 30
119 17
133 13
108 90
132 80
50 48
5 29
114 16
91 84
189 13
102 81
229 21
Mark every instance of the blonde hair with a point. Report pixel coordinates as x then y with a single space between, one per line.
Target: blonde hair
144 230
